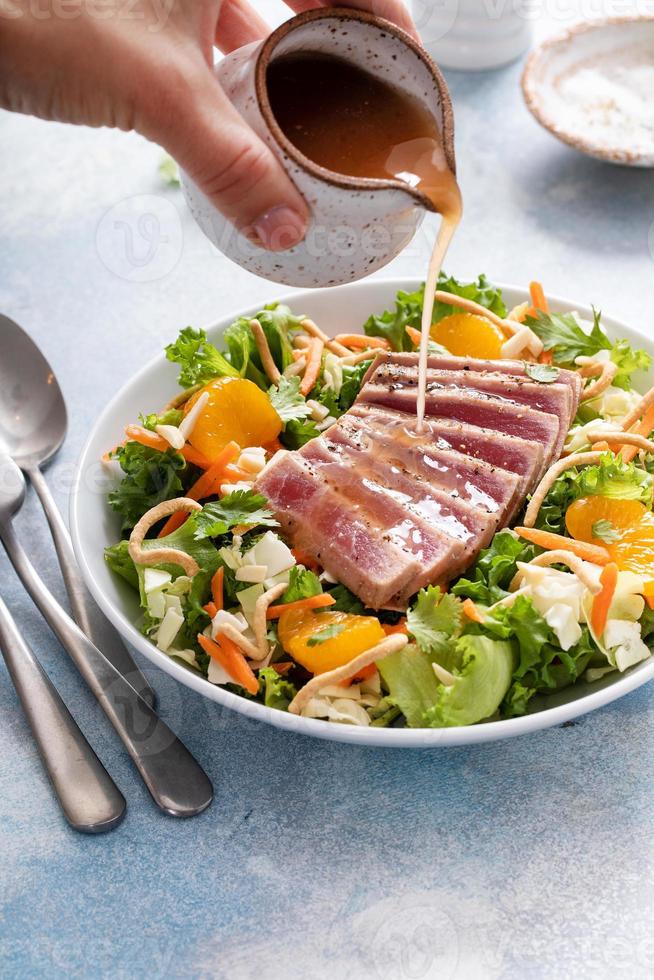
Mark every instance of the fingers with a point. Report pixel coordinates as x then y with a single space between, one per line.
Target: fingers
238 24
234 168
393 10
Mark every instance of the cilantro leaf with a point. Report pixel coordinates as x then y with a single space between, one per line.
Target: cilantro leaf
392 324
150 477
565 338
200 361
302 584
297 432
545 373
434 619
288 401
239 507
325 634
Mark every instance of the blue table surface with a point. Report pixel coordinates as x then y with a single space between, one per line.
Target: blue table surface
526 858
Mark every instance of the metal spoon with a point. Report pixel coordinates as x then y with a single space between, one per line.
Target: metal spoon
175 780
33 424
91 801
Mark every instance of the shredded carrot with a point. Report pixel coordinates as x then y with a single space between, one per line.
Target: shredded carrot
313 602
604 598
282 667
232 474
649 599
203 487
210 609
400 627
538 300
414 335
312 369
470 610
272 447
136 433
550 542
358 341
643 428
191 455
230 659
217 583
545 357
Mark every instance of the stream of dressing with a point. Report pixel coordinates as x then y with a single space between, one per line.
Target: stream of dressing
352 122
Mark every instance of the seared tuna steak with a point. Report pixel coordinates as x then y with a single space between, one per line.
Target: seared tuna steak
386 508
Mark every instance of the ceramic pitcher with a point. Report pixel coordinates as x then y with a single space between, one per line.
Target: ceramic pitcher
357 225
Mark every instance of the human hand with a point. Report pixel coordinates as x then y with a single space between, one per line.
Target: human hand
146 66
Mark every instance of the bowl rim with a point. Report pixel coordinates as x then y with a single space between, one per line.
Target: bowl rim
531 90
381 737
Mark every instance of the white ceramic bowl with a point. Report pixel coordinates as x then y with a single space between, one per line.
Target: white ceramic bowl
592 88
93 526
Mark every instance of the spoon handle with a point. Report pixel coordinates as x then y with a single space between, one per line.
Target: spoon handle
86 613
91 801
176 782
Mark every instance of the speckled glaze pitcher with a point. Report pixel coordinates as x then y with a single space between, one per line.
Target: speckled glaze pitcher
357 225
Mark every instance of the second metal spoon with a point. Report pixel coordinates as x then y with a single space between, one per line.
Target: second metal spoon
176 781
33 425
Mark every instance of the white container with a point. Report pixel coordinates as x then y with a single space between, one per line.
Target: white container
474 35
357 224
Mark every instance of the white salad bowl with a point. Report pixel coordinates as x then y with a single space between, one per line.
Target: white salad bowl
94 526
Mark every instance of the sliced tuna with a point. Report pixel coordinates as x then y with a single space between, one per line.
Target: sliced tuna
341 538
396 442
520 456
473 408
555 399
448 362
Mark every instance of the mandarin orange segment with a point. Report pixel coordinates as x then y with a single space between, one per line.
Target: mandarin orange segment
237 410
468 335
338 637
587 511
634 552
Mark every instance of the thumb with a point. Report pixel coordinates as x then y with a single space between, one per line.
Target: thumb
233 167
